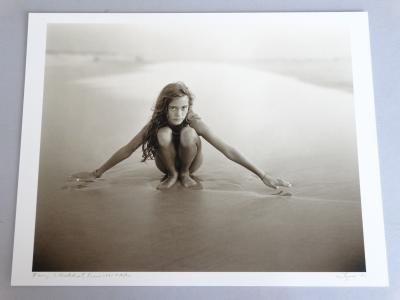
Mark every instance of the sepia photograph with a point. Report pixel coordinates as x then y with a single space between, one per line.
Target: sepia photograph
198 143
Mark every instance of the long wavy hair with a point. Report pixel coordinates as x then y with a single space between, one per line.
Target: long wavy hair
150 146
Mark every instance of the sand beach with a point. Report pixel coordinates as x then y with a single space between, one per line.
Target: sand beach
301 131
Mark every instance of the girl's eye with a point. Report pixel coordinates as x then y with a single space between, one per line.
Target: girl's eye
173 108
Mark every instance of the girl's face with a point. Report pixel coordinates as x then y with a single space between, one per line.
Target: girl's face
177 110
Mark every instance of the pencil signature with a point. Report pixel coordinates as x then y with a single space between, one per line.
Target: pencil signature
80 275
347 276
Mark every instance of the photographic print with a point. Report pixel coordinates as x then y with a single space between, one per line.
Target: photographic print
199 149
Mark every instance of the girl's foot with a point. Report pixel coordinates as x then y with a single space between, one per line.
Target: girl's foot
168 182
186 180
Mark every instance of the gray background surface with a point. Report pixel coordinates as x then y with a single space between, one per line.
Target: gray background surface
385 46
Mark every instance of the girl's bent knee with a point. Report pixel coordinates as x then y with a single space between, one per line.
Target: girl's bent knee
188 136
164 136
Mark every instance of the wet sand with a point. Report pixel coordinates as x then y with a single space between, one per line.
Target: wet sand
302 132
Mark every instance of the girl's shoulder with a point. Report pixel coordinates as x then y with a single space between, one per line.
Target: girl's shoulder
196 123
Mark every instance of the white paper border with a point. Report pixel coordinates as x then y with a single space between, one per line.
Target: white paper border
372 213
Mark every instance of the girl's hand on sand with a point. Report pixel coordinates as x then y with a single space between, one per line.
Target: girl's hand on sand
83 176
80 180
274 183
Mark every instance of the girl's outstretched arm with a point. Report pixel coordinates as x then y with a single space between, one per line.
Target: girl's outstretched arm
123 153
233 154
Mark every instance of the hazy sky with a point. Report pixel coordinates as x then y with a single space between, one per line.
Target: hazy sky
185 37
